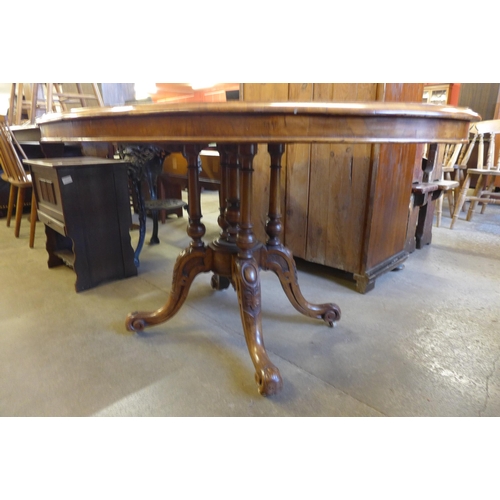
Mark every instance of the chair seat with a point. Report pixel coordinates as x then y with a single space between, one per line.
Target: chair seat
164 204
483 171
445 185
17 184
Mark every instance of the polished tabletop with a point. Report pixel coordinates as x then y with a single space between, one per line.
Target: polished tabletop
236 122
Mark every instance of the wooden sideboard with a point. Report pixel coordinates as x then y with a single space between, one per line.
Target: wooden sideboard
346 206
85 207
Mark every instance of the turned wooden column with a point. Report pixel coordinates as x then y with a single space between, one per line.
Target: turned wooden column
196 229
274 226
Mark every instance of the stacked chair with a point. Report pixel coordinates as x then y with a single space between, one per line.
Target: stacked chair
19 180
30 100
454 166
484 174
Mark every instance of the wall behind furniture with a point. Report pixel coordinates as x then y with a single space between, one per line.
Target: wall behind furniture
480 97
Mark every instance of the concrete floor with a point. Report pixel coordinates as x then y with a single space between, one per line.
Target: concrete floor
424 342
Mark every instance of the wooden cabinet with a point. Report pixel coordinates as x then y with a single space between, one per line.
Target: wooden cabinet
84 204
346 206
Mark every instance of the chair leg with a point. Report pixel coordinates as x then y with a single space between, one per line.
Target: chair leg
477 192
161 191
33 217
439 209
19 210
450 194
10 207
461 200
491 188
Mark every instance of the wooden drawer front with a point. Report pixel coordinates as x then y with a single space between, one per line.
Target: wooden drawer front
49 221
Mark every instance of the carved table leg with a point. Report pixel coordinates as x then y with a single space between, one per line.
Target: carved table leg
194 260
247 282
280 260
277 258
189 264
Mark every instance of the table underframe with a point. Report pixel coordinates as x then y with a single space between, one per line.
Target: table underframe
236 257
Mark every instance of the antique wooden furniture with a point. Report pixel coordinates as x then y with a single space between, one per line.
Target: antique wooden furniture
447 184
348 206
20 181
84 204
454 165
237 256
485 174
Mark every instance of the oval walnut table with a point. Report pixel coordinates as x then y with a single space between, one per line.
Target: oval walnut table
236 257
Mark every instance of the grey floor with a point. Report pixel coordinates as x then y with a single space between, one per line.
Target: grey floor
424 342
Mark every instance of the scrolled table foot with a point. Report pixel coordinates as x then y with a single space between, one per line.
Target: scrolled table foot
331 316
269 380
188 265
133 323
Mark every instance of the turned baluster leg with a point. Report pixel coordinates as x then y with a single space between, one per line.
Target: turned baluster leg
273 225
229 207
196 259
279 259
247 283
232 213
196 229
223 192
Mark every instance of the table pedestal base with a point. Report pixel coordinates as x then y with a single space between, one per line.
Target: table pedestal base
243 274
237 257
